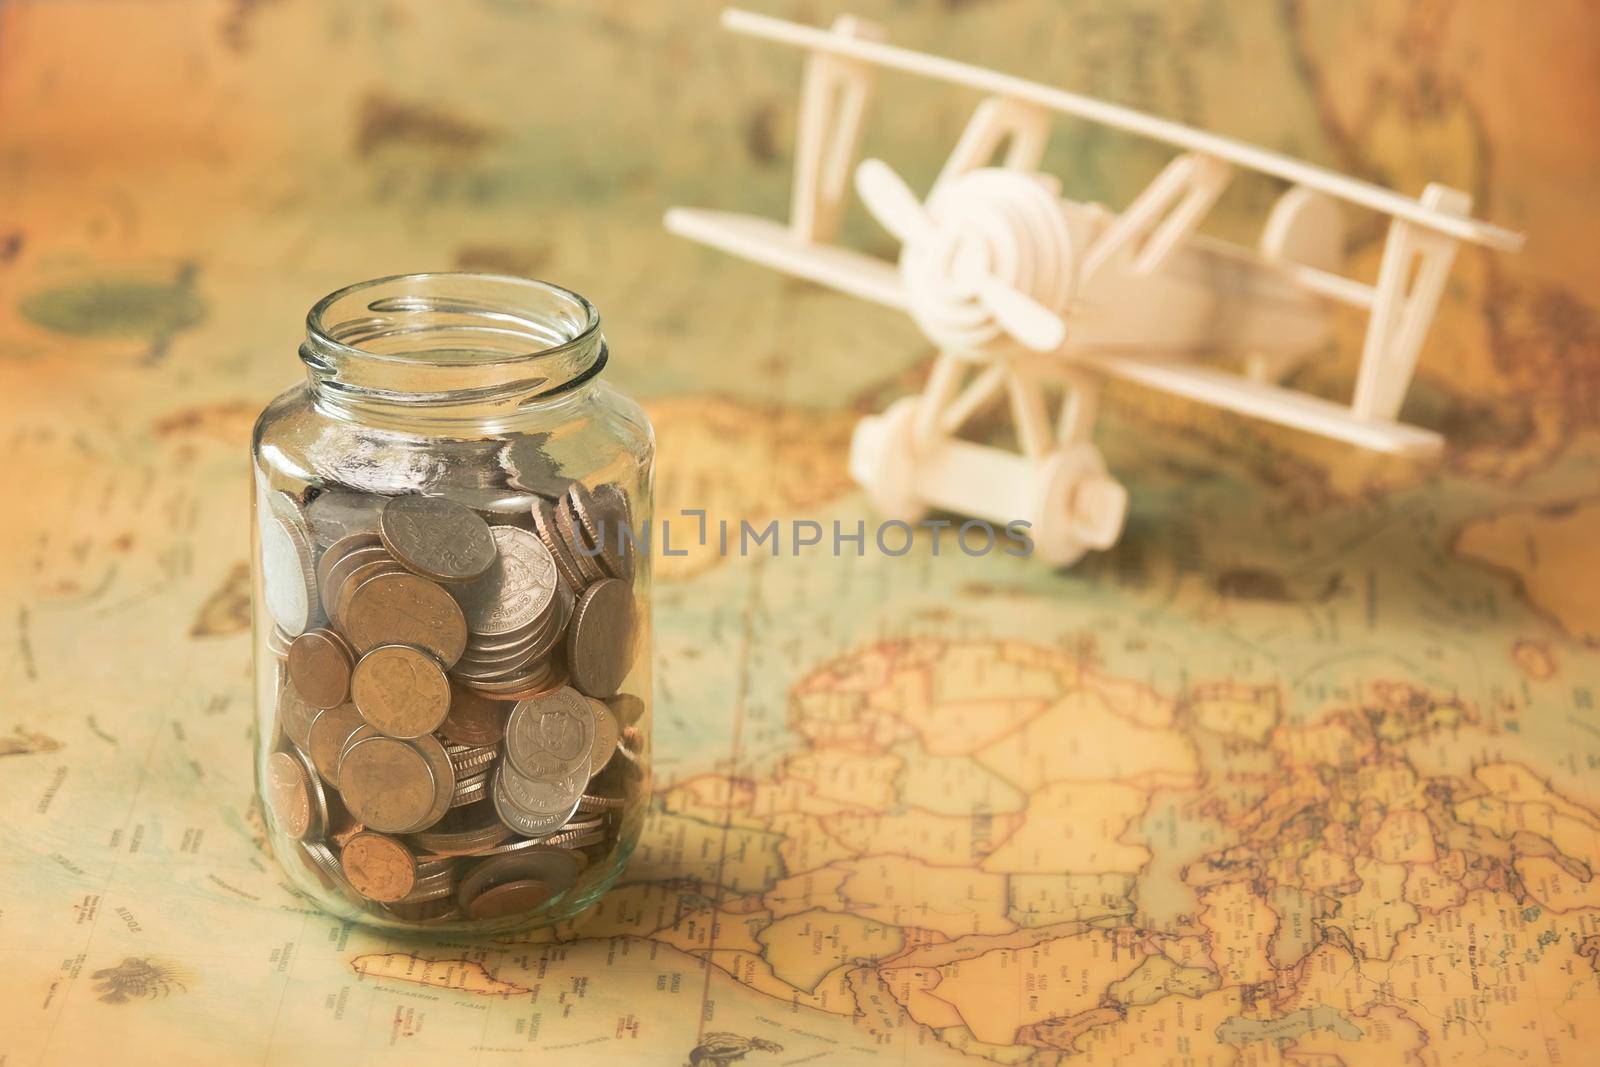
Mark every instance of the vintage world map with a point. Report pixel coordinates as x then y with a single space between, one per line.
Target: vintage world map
1306 770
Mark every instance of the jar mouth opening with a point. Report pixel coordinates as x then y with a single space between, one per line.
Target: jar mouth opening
452 318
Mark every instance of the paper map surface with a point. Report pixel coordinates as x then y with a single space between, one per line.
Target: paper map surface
1306 770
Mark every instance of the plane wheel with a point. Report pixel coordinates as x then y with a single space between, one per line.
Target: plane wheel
1077 505
883 461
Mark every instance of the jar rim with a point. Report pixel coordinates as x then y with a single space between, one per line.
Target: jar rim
319 332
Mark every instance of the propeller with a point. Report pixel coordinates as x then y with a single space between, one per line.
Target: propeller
989 254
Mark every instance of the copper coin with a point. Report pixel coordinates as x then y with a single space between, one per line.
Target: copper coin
600 639
379 867
444 781
406 609
508 898
400 690
387 784
474 719
319 666
289 794
352 579
295 713
331 731
437 538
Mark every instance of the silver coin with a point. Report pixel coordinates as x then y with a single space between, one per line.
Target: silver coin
288 578
600 639
525 823
336 514
543 796
438 538
549 736
518 588
322 861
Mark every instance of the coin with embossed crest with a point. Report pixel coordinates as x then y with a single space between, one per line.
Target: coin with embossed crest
517 590
525 822
405 609
550 735
437 538
543 796
400 690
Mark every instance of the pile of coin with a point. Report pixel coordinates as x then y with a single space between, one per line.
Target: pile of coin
449 740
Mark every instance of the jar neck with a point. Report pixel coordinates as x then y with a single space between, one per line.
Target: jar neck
449 350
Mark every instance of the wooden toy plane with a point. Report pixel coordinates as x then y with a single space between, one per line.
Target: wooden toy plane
1030 297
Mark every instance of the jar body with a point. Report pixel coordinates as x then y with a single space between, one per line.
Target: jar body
452 650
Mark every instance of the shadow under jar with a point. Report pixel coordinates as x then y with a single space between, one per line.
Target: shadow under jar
452 611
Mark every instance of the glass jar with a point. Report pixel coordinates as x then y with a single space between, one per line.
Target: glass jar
452 612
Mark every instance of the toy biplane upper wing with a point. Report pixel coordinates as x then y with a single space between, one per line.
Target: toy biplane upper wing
1180 283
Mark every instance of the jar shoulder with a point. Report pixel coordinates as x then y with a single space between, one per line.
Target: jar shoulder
589 432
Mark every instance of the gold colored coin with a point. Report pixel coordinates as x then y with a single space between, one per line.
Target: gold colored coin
405 609
401 690
387 784
379 867
331 730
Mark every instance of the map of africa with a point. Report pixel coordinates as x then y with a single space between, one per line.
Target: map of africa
1305 771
